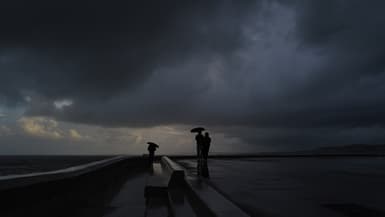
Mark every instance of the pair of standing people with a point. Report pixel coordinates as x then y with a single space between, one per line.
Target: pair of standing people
203 145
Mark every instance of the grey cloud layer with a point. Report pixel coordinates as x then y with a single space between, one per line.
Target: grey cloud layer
91 50
276 64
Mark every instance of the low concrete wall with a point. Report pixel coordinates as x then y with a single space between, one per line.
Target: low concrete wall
203 195
67 192
176 172
17 181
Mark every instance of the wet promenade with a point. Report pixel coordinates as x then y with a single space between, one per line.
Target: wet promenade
269 187
296 187
117 188
98 193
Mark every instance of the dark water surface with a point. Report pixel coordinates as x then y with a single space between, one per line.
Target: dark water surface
10 165
302 186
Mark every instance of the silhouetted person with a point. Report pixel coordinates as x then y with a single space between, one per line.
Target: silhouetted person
206 146
199 139
151 152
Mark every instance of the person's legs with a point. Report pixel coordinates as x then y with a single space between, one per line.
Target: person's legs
205 154
198 154
198 151
199 160
151 158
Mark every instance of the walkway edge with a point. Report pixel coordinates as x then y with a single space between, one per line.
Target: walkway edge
215 203
17 181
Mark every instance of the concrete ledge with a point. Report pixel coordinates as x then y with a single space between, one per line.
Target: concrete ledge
72 194
214 203
177 174
17 181
157 183
212 200
171 165
164 175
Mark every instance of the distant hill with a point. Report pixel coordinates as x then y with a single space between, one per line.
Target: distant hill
364 149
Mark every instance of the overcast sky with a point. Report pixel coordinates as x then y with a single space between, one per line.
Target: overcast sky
105 77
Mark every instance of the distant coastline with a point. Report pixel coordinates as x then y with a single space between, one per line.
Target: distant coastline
353 150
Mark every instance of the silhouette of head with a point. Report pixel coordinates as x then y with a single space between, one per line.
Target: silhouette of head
206 134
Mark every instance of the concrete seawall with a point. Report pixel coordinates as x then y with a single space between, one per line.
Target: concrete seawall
62 192
113 187
184 194
16 181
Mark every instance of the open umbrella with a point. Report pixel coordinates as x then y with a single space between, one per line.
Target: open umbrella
153 144
197 129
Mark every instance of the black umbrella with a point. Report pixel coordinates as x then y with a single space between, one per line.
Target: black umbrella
153 144
197 129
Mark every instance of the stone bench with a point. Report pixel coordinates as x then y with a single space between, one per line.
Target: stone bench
163 175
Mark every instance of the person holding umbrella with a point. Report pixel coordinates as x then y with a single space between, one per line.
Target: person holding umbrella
151 152
199 140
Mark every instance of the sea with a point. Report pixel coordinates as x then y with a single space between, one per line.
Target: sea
16 165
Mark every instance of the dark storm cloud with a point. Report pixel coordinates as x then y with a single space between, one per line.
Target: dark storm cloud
96 49
347 90
275 64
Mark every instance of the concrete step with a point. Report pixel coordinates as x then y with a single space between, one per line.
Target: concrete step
214 202
156 192
157 169
163 199
169 192
157 182
157 207
180 205
176 172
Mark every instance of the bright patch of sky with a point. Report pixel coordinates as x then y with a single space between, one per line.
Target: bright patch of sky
10 115
60 104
